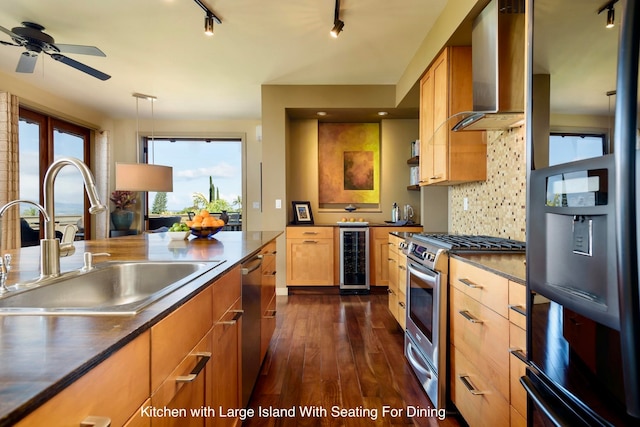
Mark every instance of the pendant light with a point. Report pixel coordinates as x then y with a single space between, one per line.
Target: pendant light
144 176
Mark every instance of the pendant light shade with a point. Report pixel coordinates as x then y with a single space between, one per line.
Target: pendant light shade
144 177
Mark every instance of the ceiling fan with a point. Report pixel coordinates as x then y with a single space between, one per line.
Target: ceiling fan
34 40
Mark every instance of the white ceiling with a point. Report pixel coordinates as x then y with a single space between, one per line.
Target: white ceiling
158 47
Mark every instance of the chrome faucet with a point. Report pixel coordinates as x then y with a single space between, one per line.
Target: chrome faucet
5 261
50 245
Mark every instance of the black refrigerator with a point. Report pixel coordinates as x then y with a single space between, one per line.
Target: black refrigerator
583 308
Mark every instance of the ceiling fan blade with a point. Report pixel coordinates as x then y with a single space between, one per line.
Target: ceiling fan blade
27 63
80 66
8 32
79 49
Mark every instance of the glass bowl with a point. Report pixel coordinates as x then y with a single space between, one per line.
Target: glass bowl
204 232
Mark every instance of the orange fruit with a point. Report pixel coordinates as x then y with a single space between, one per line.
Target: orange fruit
189 223
209 222
198 218
204 213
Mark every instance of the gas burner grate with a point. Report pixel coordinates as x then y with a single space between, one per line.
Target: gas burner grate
479 243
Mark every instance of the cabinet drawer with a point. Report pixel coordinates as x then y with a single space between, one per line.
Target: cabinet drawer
402 310
518 342
483 336
479 403
488 288
517 420
518 304
309 232
139 419
123 377
267 326
176 335
226 290
184 388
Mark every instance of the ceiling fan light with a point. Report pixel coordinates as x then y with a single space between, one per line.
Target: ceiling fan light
208 25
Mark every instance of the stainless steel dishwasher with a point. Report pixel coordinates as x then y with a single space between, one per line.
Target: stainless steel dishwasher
251 283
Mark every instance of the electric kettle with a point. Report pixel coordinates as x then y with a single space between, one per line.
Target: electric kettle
408 213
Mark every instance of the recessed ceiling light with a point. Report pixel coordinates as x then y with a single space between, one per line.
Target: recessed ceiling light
382 113
321 113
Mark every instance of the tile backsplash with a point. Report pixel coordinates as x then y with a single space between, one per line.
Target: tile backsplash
496 207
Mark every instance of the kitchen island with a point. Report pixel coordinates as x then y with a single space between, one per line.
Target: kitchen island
43 355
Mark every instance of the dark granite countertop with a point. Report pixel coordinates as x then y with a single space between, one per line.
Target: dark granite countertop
42 355
511 266
371 224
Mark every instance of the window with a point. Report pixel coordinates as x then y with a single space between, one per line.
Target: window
207 174
565 147
43 140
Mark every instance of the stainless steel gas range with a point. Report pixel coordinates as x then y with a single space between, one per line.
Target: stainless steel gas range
427 298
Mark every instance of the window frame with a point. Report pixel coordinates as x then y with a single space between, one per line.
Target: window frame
47 125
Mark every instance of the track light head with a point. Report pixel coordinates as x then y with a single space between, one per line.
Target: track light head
208 25
610 17
337 28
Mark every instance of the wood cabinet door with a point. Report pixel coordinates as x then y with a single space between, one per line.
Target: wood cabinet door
226 387
440 115
115 389
310 261
426 127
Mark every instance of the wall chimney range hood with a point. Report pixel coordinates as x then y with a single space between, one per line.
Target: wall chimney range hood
498 51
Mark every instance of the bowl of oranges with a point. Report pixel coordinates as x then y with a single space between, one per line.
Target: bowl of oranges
204 224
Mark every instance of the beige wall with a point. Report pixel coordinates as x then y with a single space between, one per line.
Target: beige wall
395 149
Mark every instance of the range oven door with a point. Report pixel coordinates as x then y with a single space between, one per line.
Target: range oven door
423 313
425 326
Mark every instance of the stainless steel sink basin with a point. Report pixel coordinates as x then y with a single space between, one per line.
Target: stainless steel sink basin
112 288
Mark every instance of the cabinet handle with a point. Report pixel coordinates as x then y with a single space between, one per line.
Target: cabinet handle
470 284
309 241
435 177
391 260
94 421
467 383
390 291
310 232
518 309
402 304
519 354
471 318
237 314
204 358
269 314
402 267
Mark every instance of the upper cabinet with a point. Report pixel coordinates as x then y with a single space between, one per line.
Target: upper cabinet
448 157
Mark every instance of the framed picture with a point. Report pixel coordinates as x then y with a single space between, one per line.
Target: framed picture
302 213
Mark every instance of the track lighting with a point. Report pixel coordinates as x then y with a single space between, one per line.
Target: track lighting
337 27
337 23
209 18
610 17
610 13
208 25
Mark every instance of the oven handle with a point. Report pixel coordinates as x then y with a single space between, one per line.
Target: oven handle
415 362
428 275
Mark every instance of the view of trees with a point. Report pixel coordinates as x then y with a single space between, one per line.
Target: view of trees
212 203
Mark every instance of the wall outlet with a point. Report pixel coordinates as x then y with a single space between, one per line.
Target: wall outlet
278 204
256 205
465 204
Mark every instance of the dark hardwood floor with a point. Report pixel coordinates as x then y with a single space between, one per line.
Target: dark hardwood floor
341 358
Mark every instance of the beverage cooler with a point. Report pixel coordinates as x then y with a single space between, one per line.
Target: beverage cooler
354 260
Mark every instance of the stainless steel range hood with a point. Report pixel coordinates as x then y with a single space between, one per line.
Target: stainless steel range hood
498 67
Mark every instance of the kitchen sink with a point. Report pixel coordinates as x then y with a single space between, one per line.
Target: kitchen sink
110 288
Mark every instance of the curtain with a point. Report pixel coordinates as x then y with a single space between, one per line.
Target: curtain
9 169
